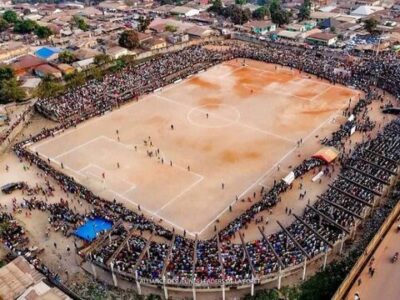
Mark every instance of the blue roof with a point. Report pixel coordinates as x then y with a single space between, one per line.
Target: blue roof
46 52
91 228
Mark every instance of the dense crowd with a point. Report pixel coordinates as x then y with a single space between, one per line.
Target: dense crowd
363 174
343 197
348 198
19 119
116 88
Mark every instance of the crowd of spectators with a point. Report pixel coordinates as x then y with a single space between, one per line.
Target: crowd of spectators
19 119
363 176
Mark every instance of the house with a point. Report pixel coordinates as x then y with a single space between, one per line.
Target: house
296 27
154 44
365 10
260 27
47 70
12 49
319 16
142 37
163 9
85 53
204 18
83 64
90 12
251 7
112 6
20 280
185 11
30 84
117 51
177 38
323 38
26 64
310 32
47 53
66 69
158 28
289 35
200 31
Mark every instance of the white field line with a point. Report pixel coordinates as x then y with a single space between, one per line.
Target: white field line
85 173
151 213
130 184
227 119
77 147
180 194
260 179
322 92
165 159
248 189
64 133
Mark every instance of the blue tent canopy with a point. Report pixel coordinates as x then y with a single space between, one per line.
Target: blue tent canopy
91 228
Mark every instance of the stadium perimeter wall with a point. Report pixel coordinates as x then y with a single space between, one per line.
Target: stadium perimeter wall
348 282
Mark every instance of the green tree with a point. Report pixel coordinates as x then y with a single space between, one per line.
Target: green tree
80 23
96 73
101 59
10 91
6 73
216 7
76 79
66 57
371 24
25 26
43 32
170 28
305 10
129 39
237 14
143 24
48 88
279 15
240 2
260 13
3 24
10 16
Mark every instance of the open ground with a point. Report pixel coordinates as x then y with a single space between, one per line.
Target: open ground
187 152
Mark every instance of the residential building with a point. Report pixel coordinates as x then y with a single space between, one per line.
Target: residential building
365 10
26 63
323 38
260 27
47 70
20 280
200 31
185 11
66 69
117 51
12 49
154 44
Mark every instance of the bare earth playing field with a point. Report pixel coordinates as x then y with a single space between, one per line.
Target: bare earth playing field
232 125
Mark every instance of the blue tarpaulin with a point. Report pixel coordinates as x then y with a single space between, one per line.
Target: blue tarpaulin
46 52
91 228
